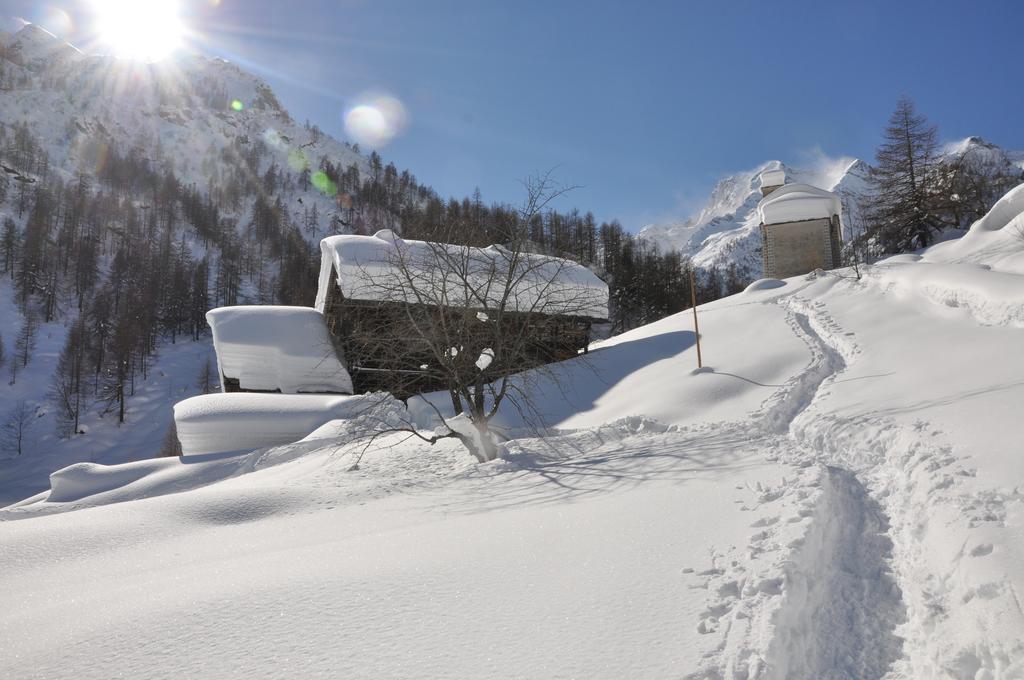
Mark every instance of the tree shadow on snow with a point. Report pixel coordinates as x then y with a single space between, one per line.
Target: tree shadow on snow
586 463
576 385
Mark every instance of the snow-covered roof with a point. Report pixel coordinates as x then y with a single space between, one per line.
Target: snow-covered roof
277 348
773 178
796 202
387 268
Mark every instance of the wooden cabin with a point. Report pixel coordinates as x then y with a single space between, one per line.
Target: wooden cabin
380 296
801 227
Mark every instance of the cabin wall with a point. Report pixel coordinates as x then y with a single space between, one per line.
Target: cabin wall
795 248
383 349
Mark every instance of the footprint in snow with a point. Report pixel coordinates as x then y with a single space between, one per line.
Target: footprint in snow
982 550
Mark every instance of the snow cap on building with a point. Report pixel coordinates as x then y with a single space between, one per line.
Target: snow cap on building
798 202
387 268
270 348
772 180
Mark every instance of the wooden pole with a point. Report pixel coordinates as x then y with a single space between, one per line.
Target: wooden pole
693 304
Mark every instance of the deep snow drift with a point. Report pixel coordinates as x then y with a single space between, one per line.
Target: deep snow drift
840 496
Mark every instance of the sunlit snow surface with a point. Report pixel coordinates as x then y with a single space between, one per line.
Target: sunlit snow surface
838 496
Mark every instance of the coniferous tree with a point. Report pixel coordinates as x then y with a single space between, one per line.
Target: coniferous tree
25 343
15 428
902 215
69 386
10 241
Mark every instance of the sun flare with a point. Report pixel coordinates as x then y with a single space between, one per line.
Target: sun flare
144 30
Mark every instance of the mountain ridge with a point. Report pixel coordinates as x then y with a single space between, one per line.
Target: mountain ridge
725 232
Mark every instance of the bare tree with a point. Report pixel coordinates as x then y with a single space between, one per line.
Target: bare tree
16 426
857 251
472 321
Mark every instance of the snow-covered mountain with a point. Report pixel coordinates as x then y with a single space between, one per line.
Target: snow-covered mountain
194 115
725 231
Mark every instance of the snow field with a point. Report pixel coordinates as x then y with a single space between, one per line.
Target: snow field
941 523
839 496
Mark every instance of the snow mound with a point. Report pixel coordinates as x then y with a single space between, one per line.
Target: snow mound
277 348
87 479
386 268
902 258
215 423
996 240
764 284
1003 212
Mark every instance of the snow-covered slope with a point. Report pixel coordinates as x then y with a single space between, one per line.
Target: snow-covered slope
195 115
171 379
837 495
725 230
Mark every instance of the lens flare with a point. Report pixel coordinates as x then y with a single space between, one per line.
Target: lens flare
237 104
55 20
322 182
376 120
144 30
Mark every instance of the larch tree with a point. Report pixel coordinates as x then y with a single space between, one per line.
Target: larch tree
69 387
15 428
25 343
902 213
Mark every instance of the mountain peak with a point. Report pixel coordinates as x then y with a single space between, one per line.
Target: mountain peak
36 48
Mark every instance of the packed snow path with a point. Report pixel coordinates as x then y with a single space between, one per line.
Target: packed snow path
842 605
821 503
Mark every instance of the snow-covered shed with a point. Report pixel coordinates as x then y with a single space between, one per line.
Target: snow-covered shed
264 348
367 283
800 229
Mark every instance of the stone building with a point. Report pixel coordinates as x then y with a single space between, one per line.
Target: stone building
801 228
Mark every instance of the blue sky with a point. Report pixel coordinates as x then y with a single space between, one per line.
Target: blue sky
644 104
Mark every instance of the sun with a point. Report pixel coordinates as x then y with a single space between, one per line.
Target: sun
143 30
